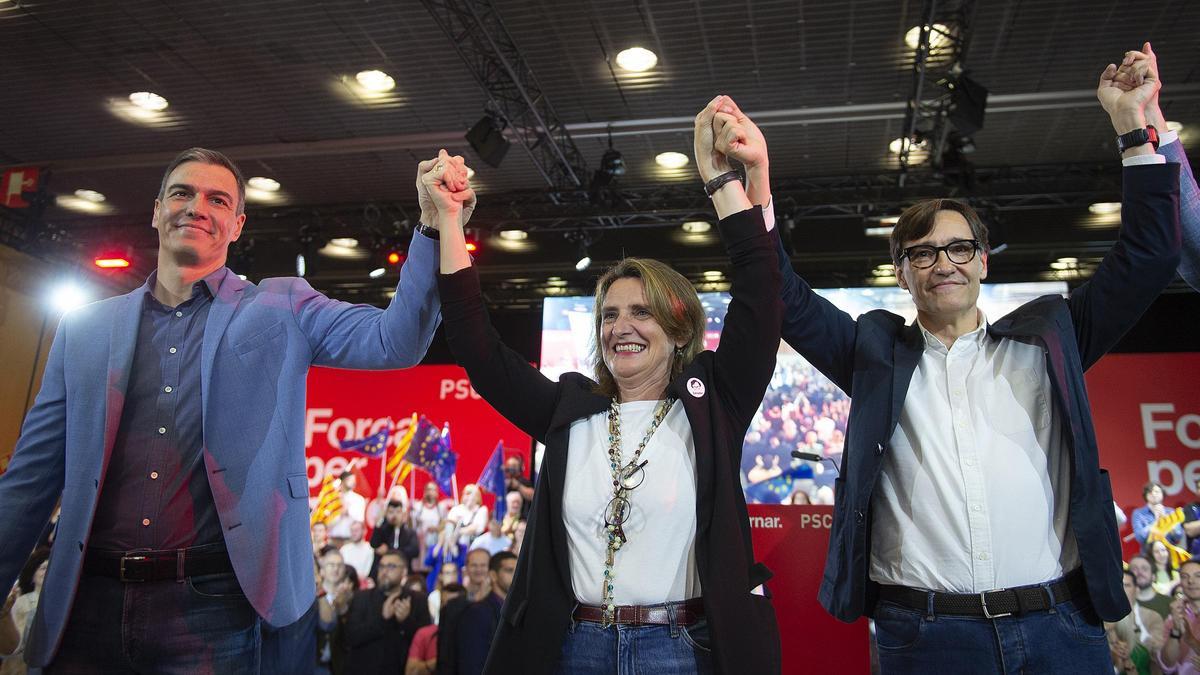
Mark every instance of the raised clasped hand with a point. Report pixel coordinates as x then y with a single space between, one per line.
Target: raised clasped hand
1125 98
710 162
737 137
443 190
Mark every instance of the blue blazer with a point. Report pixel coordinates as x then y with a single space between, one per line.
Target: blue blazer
873 358
1189 214
259 342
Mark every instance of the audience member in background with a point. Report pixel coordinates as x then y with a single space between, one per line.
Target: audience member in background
447 645
515 480
358 553
470 518
332 571
1143 579
30 581
395 534
492 541
1180 652
1134 641
475 630
422 655
354 507
519 536
320 538
382 621
478 581
447 575
427 516
1166 574
10 637
332 609
513 513
1145 516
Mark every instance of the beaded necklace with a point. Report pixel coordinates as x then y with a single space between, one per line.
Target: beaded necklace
624 480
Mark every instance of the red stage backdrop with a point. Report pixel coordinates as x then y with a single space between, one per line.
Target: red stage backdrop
1146 409
792 541
352 404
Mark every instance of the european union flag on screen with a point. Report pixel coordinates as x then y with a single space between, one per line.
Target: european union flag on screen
372 446
492 479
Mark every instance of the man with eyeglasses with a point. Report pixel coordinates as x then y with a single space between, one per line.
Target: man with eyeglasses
382 621
972 519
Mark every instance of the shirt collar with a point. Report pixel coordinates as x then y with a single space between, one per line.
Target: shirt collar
211 283
971 340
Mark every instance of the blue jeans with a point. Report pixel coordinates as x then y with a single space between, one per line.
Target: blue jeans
203 624
590 649
1067 638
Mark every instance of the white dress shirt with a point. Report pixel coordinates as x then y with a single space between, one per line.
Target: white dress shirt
976 481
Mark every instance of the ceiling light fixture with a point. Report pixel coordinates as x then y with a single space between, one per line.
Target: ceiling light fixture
67 296
671 160
696 226
938 36
377 272
1105 208
514 235
637 59
90 196
344 242
263 183
375 80
147 100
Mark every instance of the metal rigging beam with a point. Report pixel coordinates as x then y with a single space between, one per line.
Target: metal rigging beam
480 38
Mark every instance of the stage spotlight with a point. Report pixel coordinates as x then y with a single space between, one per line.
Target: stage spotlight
68 296
584 262
487 139
394 258
377 272
301 265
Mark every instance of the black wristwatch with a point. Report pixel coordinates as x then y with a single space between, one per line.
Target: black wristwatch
428 231
1137 137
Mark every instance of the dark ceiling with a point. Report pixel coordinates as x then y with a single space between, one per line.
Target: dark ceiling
271 83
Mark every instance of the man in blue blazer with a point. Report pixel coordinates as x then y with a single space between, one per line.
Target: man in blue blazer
1134 68
170 420
972 520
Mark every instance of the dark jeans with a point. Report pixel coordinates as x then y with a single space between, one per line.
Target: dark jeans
201 625
1068 638
590 649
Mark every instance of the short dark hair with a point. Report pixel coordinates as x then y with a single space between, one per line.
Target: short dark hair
1189 561
1150 486
206 156
394 504
917 221
453 587
397 553
476 550
498 560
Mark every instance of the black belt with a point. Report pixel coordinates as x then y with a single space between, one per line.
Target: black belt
173 565
990 604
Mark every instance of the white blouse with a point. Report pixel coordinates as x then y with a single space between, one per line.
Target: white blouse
657 563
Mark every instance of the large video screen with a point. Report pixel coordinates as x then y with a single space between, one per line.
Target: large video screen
802 409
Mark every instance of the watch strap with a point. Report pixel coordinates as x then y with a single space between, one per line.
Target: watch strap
715 184
428 231
1132 139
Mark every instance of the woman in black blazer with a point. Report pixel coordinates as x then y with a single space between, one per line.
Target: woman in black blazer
647 562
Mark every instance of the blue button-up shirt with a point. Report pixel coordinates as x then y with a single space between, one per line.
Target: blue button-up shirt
155 493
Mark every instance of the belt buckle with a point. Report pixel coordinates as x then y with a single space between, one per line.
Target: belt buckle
131 558
983 602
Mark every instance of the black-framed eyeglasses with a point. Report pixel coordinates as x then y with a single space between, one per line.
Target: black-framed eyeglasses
959 251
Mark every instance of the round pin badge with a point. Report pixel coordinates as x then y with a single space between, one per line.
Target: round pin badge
695 387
